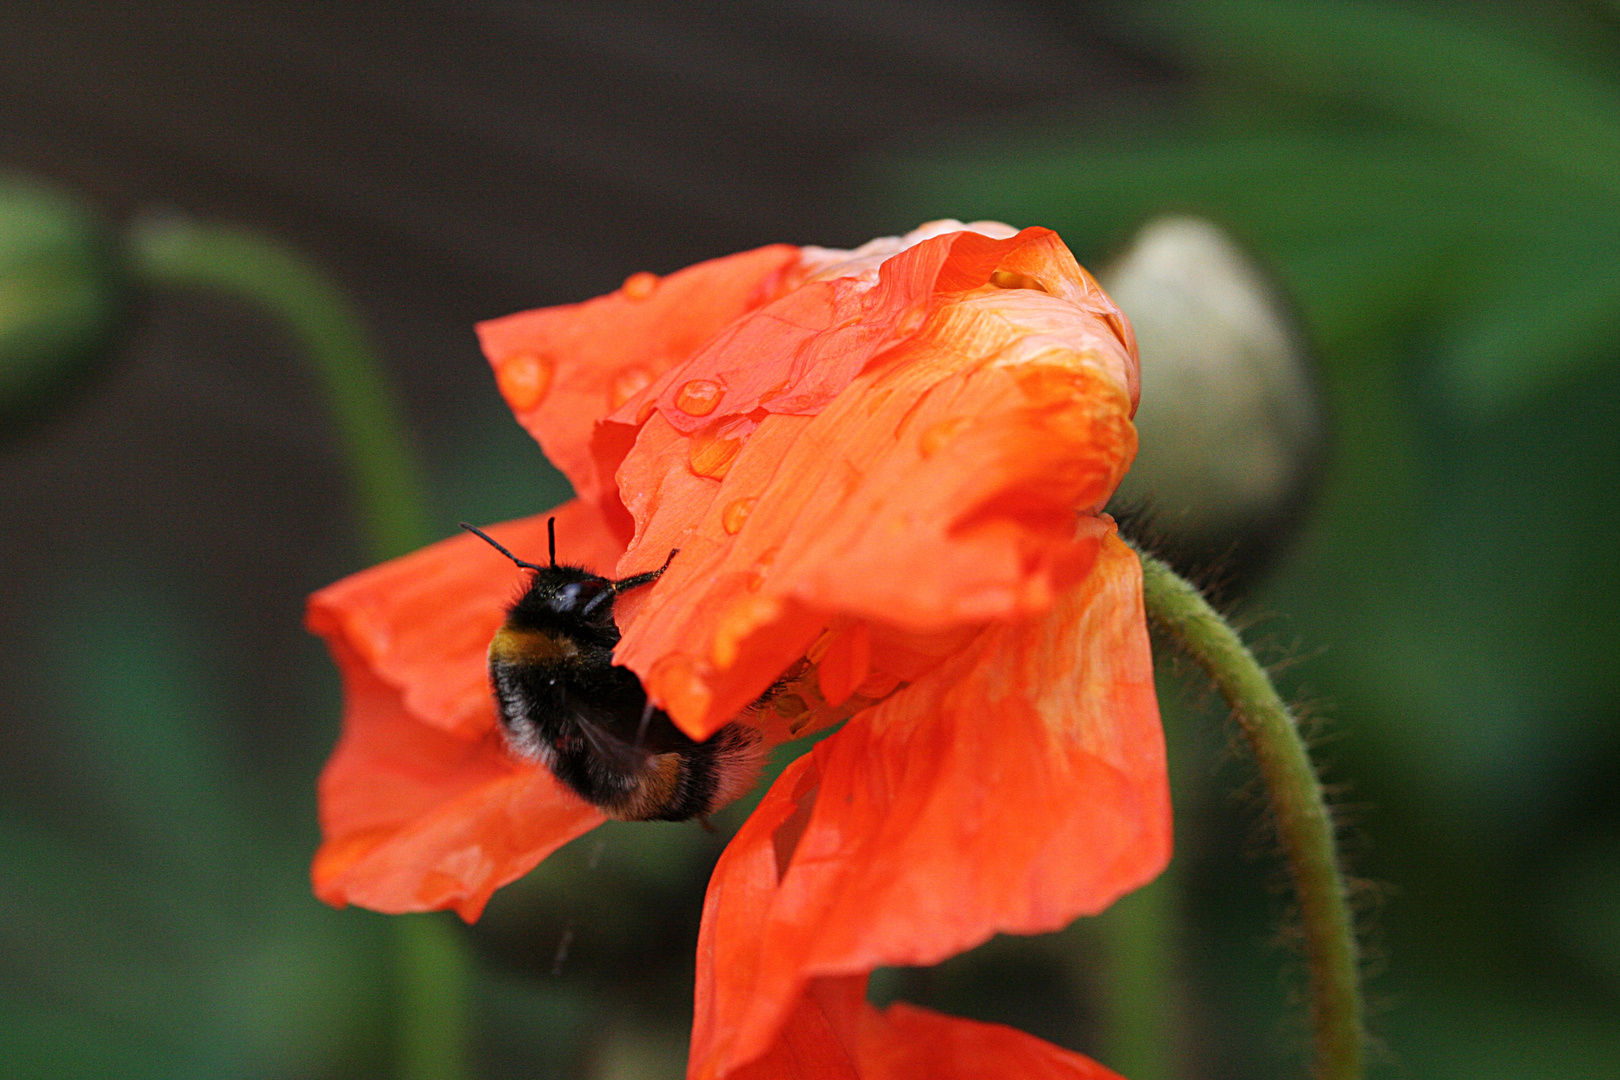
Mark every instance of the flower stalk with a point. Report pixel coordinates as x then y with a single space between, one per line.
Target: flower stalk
1140 1004
1304 824
386 479
371 433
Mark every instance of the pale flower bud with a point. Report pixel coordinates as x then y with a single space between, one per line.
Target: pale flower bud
1231 422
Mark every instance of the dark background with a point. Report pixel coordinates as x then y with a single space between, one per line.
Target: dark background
1451 599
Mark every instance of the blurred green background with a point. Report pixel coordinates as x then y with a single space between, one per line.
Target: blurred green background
1434 189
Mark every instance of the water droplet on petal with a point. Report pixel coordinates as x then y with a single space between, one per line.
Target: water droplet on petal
1048 385
937 435
680 683
639 286
628 383
523 379
739 621
712 457
1012 279
733 516
762 567
699 397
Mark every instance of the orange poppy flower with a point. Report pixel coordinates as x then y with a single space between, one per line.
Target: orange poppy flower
884 470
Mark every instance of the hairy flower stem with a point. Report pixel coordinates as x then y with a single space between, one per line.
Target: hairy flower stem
1303 823
382 468
432 957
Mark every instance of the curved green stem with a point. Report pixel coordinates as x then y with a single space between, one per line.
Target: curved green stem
382 468
1141 1030
1303 823
434 966
432 959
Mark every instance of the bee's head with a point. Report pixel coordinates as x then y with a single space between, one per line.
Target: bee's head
565 598
569 592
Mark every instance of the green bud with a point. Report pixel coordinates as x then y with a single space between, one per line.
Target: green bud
1231 421
61 297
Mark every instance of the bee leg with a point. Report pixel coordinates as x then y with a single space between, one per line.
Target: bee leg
708 826
638 580
646 717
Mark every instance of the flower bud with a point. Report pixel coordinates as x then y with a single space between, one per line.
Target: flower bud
1231 421
60 297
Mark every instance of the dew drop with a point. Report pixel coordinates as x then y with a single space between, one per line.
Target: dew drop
937 435
1046 385
712 457
640 285
1012 279
681 684
628 383
734 515
737 624
762 568
523 379
698 397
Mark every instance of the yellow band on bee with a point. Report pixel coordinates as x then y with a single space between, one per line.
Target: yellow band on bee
530 646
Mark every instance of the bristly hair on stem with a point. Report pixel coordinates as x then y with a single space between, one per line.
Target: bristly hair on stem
1142 524
1298 808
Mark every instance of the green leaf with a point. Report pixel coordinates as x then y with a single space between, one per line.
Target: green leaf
1451 73
1557 314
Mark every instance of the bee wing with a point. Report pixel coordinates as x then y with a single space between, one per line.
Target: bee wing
613 751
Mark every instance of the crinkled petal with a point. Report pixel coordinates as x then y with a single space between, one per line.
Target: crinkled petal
423 622
421 805
562 369
833 1033
799 352
417 819
947 486
1019 784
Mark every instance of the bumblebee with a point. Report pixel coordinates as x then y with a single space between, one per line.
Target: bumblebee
562 702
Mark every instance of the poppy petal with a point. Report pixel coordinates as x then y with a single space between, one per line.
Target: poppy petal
1019 784
799 352
833 1034
417 819
562 369
818 1040
421 806
423 622
939 490
903 1042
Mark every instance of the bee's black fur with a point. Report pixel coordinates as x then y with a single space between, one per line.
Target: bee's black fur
562 701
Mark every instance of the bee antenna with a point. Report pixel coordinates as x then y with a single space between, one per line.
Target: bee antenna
551 533
486 538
